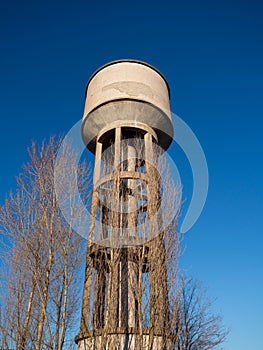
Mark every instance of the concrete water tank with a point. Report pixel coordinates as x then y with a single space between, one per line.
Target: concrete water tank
127 93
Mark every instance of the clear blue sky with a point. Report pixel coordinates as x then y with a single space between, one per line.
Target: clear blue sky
211 53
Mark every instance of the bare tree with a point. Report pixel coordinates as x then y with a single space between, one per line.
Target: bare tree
194 325
43 255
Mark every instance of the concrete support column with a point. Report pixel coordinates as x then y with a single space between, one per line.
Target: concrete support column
112 313
113 297
97 166
132 270
86 312
99 293
157 263
117 155
153 190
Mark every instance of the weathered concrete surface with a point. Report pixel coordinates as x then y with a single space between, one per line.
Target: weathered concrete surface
127 91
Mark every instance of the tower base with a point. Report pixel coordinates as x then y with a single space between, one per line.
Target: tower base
124 339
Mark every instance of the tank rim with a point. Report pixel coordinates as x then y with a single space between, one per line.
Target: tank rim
131 61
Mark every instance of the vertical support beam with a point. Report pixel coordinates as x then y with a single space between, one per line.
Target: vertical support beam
99 290
116 215
133 278
132 220
97 166
104 222
132 202
114 262
112 315
94 199
122 223
123 288
86 312
153 185
157 260
117 155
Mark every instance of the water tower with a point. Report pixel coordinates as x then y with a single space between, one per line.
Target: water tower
126 115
